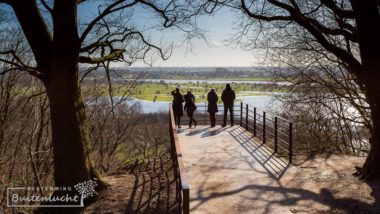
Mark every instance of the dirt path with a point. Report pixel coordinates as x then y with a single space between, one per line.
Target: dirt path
326 185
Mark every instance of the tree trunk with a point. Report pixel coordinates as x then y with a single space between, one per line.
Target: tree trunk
57 61
72 163
70 135
367 21
371 169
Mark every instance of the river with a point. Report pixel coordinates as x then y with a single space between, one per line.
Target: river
261 102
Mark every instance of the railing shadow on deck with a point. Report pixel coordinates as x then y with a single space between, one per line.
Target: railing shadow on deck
275 166
267 129
271 129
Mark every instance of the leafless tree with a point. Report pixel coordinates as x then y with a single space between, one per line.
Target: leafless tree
25 146
343 31
60 46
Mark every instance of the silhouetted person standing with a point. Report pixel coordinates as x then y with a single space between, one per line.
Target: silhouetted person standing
228 97
212 107
177 106
190 107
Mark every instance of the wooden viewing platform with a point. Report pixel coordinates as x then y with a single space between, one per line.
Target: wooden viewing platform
230 172
229 169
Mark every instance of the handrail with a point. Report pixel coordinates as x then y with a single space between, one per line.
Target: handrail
202 116
272 131
183 193
281 118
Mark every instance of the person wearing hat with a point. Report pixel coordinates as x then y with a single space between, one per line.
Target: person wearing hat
177 106
212 106
228 97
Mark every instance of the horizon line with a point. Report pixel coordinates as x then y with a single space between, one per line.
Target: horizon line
184 66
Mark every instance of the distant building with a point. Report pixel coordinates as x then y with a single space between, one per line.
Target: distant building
221 72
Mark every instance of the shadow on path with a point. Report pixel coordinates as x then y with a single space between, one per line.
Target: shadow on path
264 155
196 131
213 132
295 195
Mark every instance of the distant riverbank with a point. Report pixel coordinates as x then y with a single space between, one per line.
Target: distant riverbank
265 81
216 78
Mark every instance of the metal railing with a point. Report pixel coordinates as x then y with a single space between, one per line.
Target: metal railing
273 130
183 189
202 116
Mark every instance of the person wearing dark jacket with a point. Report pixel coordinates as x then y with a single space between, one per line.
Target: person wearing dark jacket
212 107
190 107
228 97
177 106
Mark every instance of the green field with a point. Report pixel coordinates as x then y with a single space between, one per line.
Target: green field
162 92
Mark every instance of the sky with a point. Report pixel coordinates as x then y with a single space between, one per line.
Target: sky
212 53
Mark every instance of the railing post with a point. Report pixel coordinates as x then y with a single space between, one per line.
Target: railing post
264 127
290 142
275 134
246 117
254 121
186 201
241 113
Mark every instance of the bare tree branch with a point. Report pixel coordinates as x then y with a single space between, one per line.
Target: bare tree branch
314 28
337 10
47 7
109 10
115 55
35 30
